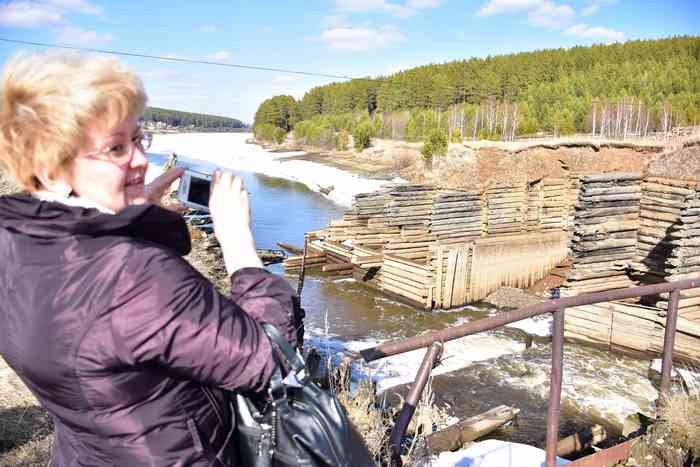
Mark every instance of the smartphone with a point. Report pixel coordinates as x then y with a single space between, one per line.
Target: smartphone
194 191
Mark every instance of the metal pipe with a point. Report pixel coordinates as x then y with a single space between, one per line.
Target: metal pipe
411 402
555 378
302 271
487 324
669 341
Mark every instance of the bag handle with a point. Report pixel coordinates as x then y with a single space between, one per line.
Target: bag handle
292 357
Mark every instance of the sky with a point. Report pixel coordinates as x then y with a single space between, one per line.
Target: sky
354 38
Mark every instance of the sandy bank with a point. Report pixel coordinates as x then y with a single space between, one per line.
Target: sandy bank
477 165
229 150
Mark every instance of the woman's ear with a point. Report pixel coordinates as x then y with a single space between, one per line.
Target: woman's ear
54 183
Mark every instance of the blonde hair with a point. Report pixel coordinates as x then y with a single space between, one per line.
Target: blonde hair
48 100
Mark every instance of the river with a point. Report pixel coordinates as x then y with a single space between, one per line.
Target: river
479 372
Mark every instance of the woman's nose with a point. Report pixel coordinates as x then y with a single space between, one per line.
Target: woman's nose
139 158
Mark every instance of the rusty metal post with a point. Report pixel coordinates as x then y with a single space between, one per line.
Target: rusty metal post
669 341
555 378
411 402
302 271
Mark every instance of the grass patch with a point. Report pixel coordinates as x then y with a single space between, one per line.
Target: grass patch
674 441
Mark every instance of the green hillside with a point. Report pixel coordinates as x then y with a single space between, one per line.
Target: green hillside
177 118
620 90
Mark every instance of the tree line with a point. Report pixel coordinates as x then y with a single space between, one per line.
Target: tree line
176 118
618 90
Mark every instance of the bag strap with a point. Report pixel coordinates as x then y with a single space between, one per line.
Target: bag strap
295 361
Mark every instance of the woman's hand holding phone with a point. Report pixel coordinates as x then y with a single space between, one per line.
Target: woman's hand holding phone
230 210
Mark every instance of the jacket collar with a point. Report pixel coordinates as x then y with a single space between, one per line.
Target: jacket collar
25 214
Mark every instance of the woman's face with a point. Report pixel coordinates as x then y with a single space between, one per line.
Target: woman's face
111 169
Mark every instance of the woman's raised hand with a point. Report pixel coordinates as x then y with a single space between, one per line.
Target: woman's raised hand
230 210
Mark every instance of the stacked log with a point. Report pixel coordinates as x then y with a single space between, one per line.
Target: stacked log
548 205
605 238
669 239
535 198
410 205
630 328
452 267
414 246
456 216
505 210
408 279
556 204
315 257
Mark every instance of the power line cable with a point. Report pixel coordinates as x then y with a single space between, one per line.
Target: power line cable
180 60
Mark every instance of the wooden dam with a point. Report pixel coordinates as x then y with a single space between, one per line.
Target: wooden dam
436 248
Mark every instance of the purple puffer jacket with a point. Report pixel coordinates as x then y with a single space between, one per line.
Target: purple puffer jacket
127 346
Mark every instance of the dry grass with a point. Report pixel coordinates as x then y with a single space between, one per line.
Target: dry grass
674 441
374 419
25 427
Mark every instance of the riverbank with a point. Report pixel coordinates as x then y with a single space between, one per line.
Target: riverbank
229 150
478 165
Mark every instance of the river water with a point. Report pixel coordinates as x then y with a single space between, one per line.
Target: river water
479 372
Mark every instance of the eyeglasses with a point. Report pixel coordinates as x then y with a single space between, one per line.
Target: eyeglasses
120 153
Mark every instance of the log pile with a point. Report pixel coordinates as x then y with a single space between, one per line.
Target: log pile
669 239
408 279
605 238
456 216
557 204
505 210
630 328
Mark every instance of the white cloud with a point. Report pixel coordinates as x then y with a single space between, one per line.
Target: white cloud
208 28
77 36
78 6
221 56
540 13
595 5
499 7
28 14
551 15
401 10
423 3
359 6
594 32
361 38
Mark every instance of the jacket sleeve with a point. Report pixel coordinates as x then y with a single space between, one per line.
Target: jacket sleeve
164 312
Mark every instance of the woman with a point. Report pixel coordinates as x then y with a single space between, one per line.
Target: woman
127 346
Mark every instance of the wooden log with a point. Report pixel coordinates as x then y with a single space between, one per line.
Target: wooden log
469 429
581 440
337 267
611 177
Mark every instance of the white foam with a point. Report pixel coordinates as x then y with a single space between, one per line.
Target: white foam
539 326
400 369
229 150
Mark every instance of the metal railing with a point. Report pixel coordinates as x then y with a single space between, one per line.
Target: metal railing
557 308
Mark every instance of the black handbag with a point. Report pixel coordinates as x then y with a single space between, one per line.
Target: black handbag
299 425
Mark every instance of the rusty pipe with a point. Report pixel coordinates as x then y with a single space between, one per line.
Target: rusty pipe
669 341
409 406
487 324
555 379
